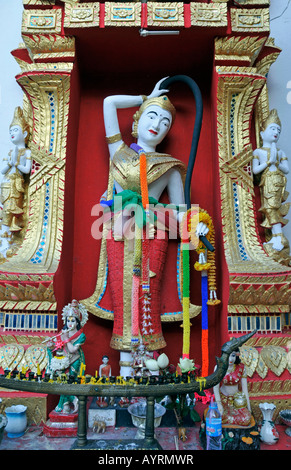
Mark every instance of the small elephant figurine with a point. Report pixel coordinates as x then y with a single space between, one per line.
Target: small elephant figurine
99 426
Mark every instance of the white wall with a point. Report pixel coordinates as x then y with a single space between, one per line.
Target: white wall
279 79
10 92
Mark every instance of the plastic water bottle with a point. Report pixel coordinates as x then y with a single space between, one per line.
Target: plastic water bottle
213 427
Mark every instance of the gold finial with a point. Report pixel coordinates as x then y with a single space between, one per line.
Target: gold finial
272 118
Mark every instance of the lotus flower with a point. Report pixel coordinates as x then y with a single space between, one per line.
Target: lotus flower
163 361
186 365
151 364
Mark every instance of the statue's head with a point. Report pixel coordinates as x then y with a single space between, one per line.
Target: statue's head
154 119
19 129
75 312
271 127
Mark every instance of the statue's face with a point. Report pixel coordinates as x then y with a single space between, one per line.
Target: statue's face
71 322
272 133
17 136
232 358
154 124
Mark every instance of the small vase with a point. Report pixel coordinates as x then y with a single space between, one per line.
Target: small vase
268 434
17 420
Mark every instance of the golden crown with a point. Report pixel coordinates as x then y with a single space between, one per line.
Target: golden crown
272 118
19 120
77 310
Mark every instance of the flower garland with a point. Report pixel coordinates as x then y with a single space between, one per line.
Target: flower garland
141 253
208 278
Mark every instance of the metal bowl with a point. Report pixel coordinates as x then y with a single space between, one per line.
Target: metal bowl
138 416
285 415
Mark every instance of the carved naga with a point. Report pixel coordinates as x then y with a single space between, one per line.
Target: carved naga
90 389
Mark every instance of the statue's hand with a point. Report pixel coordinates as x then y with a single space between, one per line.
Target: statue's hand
156 91
273 153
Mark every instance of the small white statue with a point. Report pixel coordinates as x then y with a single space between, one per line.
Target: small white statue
15 166
273 164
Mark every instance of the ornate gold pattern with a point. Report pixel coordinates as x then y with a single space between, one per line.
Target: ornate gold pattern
208 14
24 339
281 404
39 2
49 46
81 15
165 14
235 168
241 49
252 20
50 171
11 355
49 21
122 14
270 357
263 295
36 406
35 358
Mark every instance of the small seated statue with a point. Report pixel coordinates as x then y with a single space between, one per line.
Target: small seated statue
272 163
104 371
232 395
15 166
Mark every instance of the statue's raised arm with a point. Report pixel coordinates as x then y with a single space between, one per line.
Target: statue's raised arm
112 104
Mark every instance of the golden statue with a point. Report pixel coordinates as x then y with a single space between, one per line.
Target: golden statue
14 169
273 165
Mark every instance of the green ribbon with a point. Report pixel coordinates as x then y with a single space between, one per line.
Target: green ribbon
131 200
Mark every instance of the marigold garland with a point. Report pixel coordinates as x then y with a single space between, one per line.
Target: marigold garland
208 282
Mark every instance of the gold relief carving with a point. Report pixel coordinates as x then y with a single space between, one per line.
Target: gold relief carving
81 15
249 356
235 168
21 339
263 295
208 14
237 92
270 357
46 190
252 20
122 14
42 20
165 14
275 358
49 47
261 368
39 2
11 355
24 291
41 43
238 48
35 356
281 404
252 2
36 406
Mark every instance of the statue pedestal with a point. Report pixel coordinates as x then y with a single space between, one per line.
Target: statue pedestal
61 425
96 413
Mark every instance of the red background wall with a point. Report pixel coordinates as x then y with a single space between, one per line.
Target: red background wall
119 61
